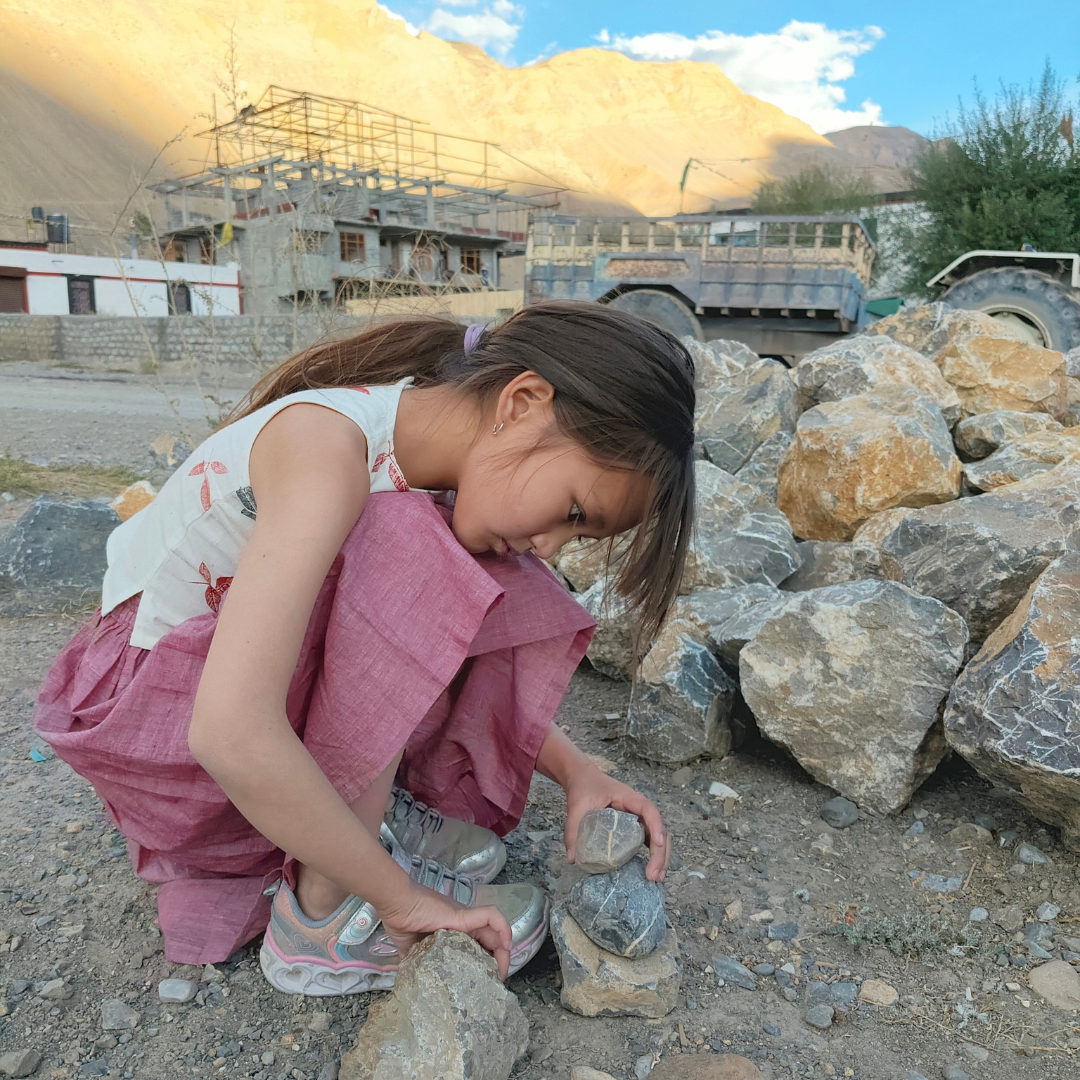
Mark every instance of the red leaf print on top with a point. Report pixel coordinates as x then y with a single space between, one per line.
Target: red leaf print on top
204 491
215 591
361 390
387 458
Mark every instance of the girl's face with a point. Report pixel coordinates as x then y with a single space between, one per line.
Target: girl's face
527 489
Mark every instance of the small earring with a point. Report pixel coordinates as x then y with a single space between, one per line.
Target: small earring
496 428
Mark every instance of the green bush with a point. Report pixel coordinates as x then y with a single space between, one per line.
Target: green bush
814 190
1004 175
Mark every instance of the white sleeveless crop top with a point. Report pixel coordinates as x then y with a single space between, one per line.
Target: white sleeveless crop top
182 550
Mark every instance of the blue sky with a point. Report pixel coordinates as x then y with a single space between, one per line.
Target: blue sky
833 63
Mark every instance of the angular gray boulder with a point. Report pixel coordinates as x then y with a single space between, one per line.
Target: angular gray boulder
735 417
611 650
851 679
717 361
739 537
824 562
54 556
682 702
1022 458
763 467
1014 713
857 365
980 555
979 436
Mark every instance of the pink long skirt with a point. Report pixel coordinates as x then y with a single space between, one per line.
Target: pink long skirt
413 643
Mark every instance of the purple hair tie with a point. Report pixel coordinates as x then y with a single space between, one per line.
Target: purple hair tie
472 337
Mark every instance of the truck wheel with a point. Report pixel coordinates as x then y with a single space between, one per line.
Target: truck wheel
666 311
1039 307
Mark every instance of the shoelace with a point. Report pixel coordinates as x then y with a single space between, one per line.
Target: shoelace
415 814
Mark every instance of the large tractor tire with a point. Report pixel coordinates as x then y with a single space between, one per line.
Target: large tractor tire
659 307
1035 304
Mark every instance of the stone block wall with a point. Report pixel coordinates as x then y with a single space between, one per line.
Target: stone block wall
119 343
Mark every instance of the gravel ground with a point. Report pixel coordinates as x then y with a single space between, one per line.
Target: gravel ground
72 910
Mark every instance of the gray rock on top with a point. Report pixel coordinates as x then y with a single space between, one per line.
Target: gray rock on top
980 555
621 911
448 1016
1015 710
735 417
682 703
851 679
763 466
54 555
607 839
979 436
739 538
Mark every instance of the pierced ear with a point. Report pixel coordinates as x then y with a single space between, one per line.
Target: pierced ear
524 392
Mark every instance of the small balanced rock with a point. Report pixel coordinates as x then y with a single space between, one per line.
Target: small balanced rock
607 840
621 911
839 813
177 991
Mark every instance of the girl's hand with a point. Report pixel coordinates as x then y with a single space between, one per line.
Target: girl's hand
588 788
422 911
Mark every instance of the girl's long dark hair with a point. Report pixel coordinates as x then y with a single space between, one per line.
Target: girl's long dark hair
624 389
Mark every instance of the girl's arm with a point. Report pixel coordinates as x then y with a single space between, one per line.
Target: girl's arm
310 479
588 788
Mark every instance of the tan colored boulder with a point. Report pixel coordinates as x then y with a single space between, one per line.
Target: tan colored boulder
584 561
854 458
1025 457
611 650
928 328
998 373
1057 983
706 1067
979 436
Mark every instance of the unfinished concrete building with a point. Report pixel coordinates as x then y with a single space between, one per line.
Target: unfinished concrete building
323 200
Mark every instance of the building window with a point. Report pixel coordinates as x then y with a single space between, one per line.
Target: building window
12 291
353 247
308 243
81 295
179 298
422 259
470 260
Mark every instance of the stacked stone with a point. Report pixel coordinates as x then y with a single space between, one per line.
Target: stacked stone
882 566
618 955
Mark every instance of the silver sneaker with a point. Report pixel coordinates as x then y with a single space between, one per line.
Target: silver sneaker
422 830
349 953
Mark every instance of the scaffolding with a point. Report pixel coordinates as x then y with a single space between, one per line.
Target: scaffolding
302 151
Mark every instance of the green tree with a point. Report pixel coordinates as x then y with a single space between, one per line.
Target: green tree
1008 173
814 190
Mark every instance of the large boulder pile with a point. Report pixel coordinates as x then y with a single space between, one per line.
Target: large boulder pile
922 515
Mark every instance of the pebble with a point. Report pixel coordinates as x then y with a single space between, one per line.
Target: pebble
607 839
731 971
771 1029
916 828
643 1066
823 846
106 1042
53 990
319 1021
1047 912
720 790
682 777
954 1072
1006 838
329 1071
1010 918
839 813
764 969
820 1016
177 991
117 1015
987 821
19 1062
267 1057
976 1053
621 911
763 916
783 931
802 894
970 833
935 882
583 1072
978 914
1058 983
1037 952
875 992
1031 855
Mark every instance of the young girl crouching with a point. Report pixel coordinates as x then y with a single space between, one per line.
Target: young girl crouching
295 626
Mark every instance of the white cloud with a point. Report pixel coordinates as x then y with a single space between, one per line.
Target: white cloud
799 68
414 30
495 28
